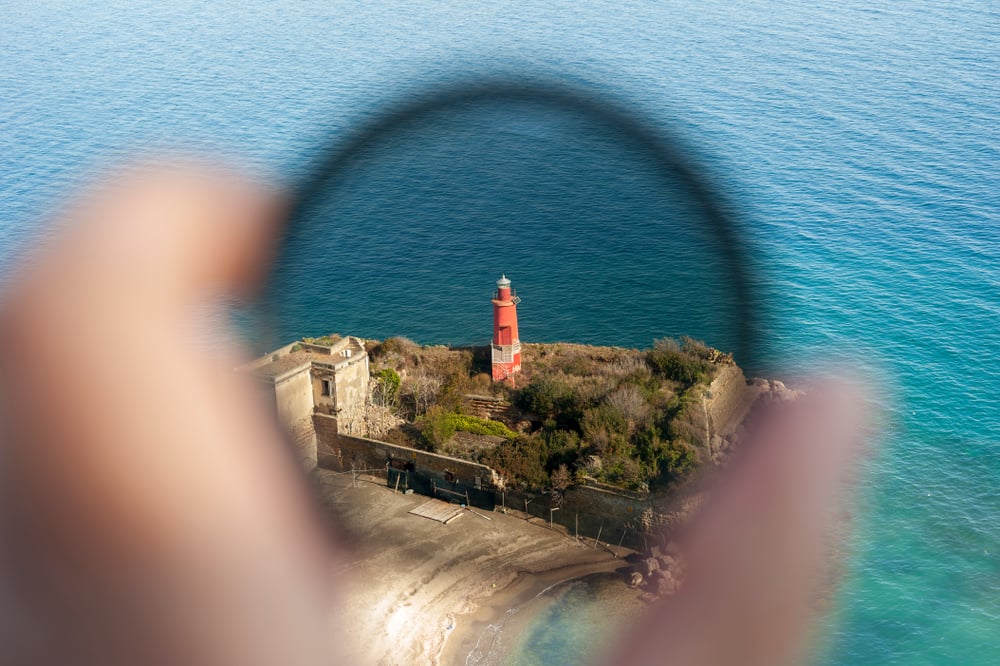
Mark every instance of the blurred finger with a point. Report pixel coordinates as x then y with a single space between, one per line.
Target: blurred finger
144 493
758 555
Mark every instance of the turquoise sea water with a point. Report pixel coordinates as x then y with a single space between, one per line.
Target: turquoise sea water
861 140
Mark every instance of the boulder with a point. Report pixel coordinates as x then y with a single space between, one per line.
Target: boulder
666 586
667 562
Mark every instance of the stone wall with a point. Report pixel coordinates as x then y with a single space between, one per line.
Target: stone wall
426 473
730 400
303 441
325 428
489 407
588 511
293 395
615 517
352 381
332 349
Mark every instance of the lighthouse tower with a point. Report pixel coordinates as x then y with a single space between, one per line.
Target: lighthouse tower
506 348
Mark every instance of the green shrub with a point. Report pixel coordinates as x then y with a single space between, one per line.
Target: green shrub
478 426
399 345
323 341
436 427
522 462
439 425
602 425
563 448
680 364
556 399
676 459
624 472
545 396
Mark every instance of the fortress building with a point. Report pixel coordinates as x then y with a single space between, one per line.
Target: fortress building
506 347
328 376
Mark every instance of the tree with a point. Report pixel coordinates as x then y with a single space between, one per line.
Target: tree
422 389
561 478
379 420
367 420
385 388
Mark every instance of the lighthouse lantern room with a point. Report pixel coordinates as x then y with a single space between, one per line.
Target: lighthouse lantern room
506 347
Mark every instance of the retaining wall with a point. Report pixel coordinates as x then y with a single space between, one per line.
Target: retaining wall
730 401
633 520
427 473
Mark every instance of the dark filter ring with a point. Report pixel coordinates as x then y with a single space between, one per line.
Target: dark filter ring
673 161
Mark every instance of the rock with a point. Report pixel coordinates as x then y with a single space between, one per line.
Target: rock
649 565
781 393
635 580
666 586
633 558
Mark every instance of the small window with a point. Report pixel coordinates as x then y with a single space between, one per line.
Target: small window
449 476
325 391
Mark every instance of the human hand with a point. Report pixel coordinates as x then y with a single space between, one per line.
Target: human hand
151 514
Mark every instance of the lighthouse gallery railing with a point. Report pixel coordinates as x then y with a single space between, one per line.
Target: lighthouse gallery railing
505 353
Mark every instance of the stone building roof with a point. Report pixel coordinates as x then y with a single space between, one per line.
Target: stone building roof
285 360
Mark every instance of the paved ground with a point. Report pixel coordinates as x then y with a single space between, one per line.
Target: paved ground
414 580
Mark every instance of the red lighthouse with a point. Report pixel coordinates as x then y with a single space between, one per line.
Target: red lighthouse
506 348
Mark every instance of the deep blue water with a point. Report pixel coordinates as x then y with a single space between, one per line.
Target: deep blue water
860 141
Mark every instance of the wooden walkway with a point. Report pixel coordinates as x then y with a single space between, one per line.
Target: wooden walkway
435 509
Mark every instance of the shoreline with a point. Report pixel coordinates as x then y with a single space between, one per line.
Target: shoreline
516 605
424 592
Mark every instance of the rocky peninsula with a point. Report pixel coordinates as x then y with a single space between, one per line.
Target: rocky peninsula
582 465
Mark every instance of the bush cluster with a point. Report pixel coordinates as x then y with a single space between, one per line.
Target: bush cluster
324 340
686 362
632 419
439 425
635 422
478 426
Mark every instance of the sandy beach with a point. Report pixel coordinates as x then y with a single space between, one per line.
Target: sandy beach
424 592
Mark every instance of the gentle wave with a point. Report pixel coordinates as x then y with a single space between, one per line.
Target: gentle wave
860 140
